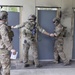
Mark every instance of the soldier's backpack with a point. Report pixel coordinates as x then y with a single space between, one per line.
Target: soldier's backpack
64 32
10 33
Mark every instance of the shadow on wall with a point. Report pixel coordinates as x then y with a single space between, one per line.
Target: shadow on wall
66 13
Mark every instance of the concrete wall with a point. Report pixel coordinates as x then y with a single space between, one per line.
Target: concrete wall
29 8
66 8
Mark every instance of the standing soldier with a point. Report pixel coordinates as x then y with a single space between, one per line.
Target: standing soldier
30 29
5 45
59 36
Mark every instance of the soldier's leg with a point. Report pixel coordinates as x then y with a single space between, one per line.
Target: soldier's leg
63 56
5 61
56 56
25 54
55 53
35 54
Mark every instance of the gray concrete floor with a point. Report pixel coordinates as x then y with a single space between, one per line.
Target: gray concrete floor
49 71
48 68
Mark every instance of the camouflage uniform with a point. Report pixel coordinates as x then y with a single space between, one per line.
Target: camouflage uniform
58 48
5 47
30 40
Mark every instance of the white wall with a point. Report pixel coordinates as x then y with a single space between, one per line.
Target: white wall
51 3
29 8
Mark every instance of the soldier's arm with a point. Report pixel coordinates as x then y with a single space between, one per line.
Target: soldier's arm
5 38
46 33
53 35
42 30
57 33
19 26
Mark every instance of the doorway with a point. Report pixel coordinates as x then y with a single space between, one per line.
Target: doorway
45 17
13 19
73 54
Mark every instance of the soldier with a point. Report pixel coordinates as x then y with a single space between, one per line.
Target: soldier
59 41
30 29
5 45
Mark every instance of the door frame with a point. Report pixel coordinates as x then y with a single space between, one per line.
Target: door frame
20 21
37 8
46 8
72 29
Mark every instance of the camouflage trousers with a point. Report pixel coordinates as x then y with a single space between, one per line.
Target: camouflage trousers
4 63
26 46
58 51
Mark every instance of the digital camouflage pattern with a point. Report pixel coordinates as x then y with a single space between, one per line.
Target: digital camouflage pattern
58 48
5 47
30 40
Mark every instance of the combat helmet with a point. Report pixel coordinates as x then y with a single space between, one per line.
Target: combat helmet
3 15
32 17
56 20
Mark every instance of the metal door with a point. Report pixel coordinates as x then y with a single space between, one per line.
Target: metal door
13 19
46 43
73 54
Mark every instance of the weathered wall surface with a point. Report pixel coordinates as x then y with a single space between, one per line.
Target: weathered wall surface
29 8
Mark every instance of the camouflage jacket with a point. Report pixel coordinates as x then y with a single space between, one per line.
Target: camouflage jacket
4 39
59 30
28 28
